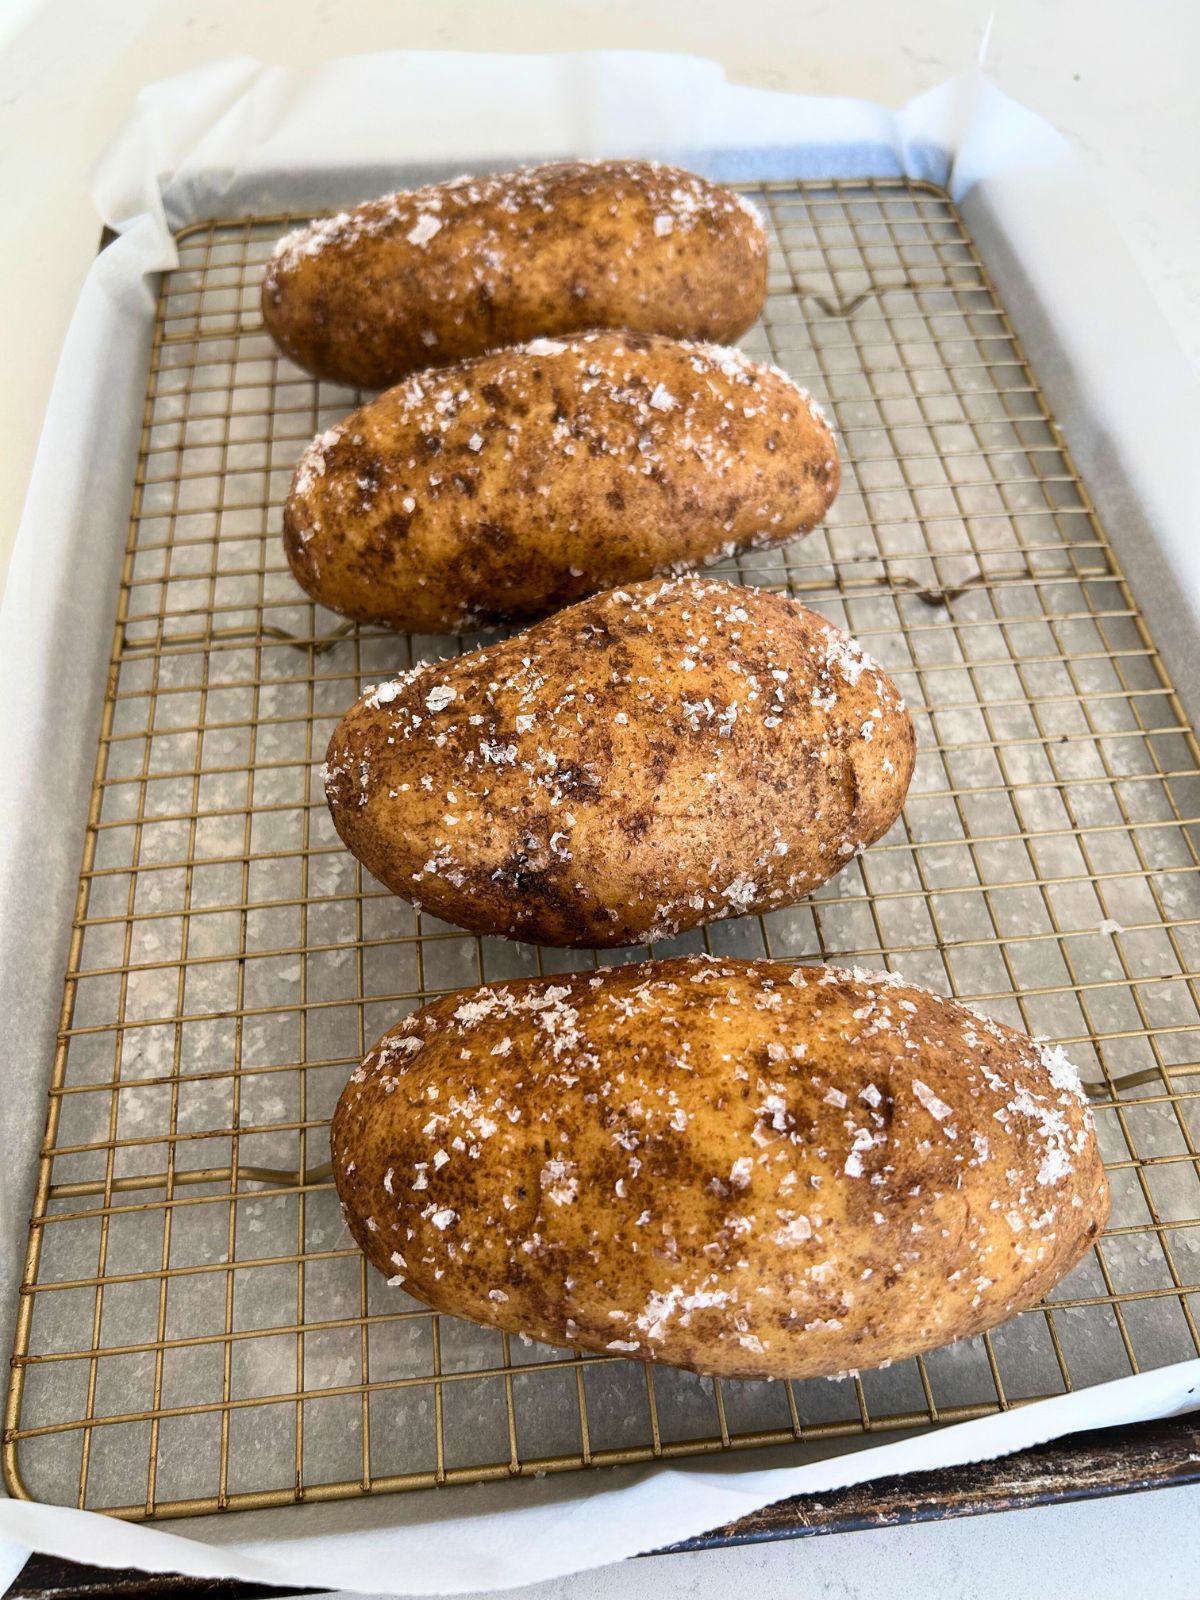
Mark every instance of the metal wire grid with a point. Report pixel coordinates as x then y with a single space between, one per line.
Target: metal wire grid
196 1328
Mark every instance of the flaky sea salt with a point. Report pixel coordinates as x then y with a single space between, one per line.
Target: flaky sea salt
425 228
937 1108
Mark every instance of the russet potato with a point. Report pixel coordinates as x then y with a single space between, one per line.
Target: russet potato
745 1168
429 276
510 485
646 761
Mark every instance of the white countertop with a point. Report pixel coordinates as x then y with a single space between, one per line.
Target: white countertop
1135 1547
1119 86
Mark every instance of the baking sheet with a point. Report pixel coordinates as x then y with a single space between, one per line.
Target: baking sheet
198 1333
120 302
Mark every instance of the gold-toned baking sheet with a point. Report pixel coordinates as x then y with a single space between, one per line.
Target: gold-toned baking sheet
196 1328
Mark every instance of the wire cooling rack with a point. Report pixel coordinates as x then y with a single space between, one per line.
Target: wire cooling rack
197 1330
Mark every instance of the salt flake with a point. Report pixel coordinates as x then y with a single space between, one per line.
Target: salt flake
426 226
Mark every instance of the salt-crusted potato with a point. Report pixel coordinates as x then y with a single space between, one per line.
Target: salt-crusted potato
646 761
457 268
745 1168
511 485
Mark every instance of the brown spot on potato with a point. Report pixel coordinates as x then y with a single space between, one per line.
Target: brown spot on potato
494 534
395 527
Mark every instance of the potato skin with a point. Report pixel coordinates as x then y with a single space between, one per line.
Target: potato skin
647 761
511 485
454 269
745 1168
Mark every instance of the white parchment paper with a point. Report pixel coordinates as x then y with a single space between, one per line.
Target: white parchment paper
236 137
436 1542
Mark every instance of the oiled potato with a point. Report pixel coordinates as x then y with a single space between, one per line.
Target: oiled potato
646 761
745 1168
508 486
457 268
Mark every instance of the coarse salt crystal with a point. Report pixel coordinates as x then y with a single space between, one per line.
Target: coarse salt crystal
426 226
937 1108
